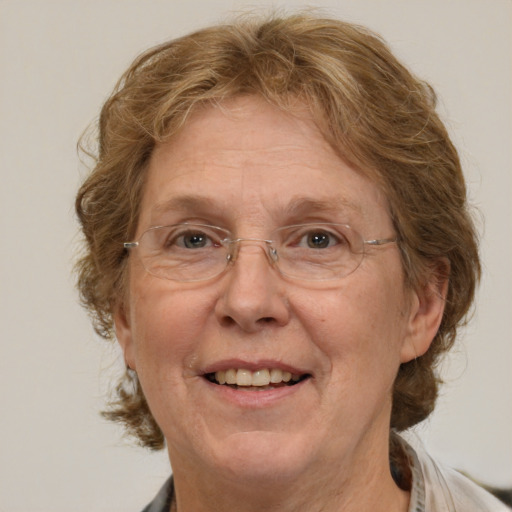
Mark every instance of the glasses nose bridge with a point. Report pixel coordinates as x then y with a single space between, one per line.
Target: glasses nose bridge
265 245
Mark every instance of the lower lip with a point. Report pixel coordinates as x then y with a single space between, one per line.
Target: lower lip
255 399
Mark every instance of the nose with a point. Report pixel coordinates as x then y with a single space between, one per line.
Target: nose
253 294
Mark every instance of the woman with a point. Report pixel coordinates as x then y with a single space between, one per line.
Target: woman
278 237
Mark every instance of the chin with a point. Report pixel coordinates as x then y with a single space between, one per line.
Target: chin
263 456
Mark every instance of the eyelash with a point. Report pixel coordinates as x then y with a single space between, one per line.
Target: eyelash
297 239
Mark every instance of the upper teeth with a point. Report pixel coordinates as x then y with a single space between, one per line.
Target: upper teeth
263 377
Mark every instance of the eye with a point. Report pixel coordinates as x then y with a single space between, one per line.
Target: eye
319 239
188 238
193 240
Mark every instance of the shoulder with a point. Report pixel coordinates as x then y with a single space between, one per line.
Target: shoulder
437 488
469 496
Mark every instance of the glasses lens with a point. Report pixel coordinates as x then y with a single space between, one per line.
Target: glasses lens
184 252
197 252
318 251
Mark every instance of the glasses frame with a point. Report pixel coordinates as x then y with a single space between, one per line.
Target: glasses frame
272 253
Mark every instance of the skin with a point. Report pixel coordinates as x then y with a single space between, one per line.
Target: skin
322 444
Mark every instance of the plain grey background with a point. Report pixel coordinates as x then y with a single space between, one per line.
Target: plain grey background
58 62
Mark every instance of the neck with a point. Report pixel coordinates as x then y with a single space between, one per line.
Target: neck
322 489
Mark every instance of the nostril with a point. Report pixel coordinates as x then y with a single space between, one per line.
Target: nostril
250 296
227 321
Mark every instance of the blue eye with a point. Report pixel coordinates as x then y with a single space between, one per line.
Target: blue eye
320 239
195 240
173 239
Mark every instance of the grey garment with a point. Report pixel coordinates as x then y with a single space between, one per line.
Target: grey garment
163 500
435 488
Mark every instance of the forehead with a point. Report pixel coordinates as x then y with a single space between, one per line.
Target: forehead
248 159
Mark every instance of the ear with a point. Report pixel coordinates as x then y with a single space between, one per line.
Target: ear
426 312
123 330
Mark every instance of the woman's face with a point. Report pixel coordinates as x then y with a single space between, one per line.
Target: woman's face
250 168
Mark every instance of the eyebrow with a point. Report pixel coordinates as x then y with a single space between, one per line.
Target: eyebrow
185 203
298 207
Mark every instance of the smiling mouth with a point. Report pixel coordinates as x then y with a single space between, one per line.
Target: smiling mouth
259 380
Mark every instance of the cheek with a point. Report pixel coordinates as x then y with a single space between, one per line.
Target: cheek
167 324
359 327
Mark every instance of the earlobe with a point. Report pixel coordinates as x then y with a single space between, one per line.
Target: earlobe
123 332
426 314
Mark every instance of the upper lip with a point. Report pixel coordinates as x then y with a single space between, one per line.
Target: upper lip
228 364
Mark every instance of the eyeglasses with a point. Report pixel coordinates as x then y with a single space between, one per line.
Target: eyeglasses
198 252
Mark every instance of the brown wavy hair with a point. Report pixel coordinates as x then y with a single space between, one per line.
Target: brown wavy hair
375 113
